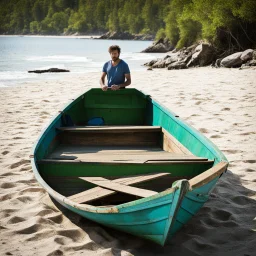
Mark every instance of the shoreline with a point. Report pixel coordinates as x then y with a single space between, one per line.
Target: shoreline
220 103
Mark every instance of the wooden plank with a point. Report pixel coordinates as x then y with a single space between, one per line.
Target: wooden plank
111 129
171 144
103 154
98 192
119 187
208 175
111 139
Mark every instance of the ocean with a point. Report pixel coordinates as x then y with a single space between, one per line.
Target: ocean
19 54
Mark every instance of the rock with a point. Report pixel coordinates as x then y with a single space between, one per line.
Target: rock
173 58
162 45
151 63
150 68
233 60
50 70
178 65
254 55
117 35
159 64
217 63
144 37
126 36
249 64
203 55
247 55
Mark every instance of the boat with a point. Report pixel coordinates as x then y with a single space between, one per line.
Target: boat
123 160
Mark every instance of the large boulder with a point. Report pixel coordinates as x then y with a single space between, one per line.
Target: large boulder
233 60
202 56
162 45
237 59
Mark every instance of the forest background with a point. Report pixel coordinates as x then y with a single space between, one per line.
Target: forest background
229 24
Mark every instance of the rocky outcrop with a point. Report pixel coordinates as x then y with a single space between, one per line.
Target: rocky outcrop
237 59
202 55
126 36
162 45
50 70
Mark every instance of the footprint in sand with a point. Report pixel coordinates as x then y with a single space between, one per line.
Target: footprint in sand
15 219
198 102
203 130
241 200
74 234
249 170
56 252
225 109
17 138
7 185
44 113
232 151
17 164
45 233
5 152
215 136
249 161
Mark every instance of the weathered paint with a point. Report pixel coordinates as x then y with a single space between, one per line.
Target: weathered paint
158 217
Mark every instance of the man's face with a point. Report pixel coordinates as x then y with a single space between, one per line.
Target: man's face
114 55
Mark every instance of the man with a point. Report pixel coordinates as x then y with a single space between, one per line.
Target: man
117 71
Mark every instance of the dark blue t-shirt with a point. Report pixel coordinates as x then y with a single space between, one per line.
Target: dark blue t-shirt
116 73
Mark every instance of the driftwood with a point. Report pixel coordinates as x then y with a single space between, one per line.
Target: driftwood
50 70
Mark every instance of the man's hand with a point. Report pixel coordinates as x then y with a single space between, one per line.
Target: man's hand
115 87
104 88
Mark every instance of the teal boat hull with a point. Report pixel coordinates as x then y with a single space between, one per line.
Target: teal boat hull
156 218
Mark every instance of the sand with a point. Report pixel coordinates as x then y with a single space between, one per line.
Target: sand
221 103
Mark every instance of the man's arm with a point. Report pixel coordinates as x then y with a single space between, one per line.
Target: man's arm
102 81
127 82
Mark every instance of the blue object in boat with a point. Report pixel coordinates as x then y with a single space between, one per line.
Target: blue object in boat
95 121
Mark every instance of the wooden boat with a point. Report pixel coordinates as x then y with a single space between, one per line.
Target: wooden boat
145 171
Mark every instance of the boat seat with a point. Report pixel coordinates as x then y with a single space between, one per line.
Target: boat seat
110 135
107 187
116 154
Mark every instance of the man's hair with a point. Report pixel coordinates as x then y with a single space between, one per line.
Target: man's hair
114 48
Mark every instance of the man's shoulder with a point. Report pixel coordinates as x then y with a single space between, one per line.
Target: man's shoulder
124 63
107 63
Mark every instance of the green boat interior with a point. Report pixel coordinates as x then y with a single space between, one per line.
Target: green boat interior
146 157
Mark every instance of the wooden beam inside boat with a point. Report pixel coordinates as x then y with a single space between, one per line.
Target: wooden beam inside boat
99 192
112 185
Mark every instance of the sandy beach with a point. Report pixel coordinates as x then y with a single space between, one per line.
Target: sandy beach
220 103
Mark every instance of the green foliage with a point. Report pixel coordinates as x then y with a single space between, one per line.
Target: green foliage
229 23
160 34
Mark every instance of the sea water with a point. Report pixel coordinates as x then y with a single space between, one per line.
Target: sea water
19 54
